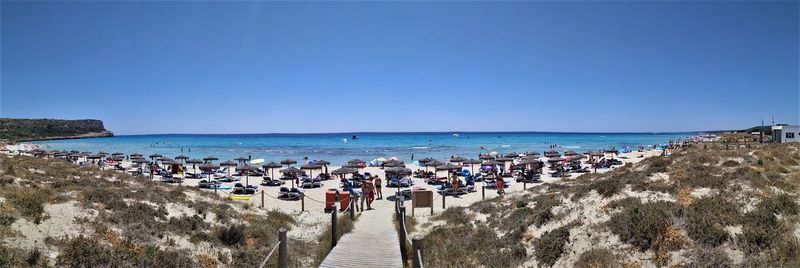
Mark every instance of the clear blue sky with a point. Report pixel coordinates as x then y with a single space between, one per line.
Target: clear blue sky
257 67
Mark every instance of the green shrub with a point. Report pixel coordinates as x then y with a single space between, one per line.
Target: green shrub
707 217
232 236
469 246
85 252
782 204
187 224
641 224
760 230
28 201
597 258
551 245
454 215
730 163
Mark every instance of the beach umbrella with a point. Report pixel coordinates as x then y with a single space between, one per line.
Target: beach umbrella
398 171
117 154
140 161
555 159
209 168
154 156
135 155
271 166
343 171
102 153
393 163
288 162
570 153
246 169
426 160
228 164
353 166
457 159
505 159
551 153
356 161
241 159
433 163
194 163
86 153
449 167
324 164
310 168
181 158
210 158
471 162
532 153
290 170
485 156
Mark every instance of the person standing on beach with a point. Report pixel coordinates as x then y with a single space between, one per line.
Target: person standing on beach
500 184
455 183
377 182
367 193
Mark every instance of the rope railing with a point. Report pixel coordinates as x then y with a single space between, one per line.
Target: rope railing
264 262
416 242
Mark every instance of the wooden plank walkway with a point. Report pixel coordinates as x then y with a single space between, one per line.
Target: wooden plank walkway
372 243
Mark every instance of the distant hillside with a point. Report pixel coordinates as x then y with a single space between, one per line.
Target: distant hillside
47 129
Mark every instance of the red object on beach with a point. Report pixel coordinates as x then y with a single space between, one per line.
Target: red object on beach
330 200
344 200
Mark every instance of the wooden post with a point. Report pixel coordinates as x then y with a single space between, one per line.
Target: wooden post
302 202
352 211
443 198
283 250
262 198
416 245
402 231
333 229
483 192
524 185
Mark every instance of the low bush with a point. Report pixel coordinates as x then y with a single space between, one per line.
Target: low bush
702 257
730 163
469 246
782 204
232 236
706 219
454 215
642 224
551 245
597 258
28 201
761 230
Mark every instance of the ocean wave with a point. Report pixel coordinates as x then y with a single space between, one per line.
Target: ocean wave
505 145
571 147
420 147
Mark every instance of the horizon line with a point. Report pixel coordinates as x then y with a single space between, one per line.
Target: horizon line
426 132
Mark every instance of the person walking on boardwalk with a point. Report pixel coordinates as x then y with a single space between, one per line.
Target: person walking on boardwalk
368 192
500 184
377 182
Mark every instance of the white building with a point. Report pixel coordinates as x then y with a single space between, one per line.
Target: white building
785 133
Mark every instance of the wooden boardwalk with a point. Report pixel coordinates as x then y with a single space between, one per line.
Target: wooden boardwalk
372 243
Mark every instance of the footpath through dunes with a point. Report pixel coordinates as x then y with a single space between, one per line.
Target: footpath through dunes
373 242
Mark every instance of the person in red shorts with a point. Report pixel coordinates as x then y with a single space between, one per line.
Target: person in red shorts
368 191
501 190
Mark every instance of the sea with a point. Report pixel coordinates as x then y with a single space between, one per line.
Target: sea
338 148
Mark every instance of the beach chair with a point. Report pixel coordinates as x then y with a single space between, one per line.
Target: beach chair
406 182
289 194
267 181
393 182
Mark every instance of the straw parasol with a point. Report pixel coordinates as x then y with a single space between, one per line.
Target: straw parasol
209 167
570 153
271 166
194 163
247 169
398 171
310 168
457 159
433 163
242 159
485 156
290 170
449 167
552 153
135 155
394 163
210 158
181 158
324 164
426 160
471 162
154 156
228 164
288 162
555 159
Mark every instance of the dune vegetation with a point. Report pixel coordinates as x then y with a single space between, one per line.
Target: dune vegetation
55 213
709 205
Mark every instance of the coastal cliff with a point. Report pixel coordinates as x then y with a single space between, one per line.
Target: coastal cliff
16 130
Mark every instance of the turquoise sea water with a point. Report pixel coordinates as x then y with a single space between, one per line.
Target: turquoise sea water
334 148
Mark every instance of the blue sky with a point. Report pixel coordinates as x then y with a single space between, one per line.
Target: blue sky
261 67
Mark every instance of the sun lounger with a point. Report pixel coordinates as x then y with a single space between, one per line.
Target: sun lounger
270 182
289 194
